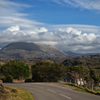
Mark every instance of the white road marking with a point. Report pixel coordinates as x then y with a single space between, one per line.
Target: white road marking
65 96
51 91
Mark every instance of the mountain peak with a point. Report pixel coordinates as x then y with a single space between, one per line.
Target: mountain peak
30 50
21 46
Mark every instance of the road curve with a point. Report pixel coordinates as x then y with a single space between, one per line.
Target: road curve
53 91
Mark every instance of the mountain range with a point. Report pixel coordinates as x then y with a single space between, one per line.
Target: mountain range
73 54
25 50
29 50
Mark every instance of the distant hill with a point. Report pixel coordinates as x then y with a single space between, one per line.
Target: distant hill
21 46
30 50
73 54
89 61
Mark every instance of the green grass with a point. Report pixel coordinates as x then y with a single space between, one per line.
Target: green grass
69 84
17 94
76 87
82 89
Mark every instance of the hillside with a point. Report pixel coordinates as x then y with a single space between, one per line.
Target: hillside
73 54
21 46
89 61
29 50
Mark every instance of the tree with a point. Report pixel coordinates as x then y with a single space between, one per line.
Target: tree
16 69
77 72
95 77
48 71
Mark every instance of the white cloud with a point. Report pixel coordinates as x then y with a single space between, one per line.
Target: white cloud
79 38
83 28
75 40
43 29
13 28
70 30
67 39
13 34
86 4
10 15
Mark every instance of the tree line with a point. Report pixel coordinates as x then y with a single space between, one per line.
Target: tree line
87 75
46 71
14 70
52 71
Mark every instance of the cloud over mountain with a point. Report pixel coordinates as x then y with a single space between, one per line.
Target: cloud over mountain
16 25
64 38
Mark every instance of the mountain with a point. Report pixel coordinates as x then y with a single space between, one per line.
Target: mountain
30 50
21 46
73 54
88 61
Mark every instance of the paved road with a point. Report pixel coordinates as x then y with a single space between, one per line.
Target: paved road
53 91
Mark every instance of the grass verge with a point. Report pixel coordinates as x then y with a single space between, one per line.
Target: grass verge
82 89
14 93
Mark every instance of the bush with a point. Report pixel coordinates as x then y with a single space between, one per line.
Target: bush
2 77
9 78
96 88
15 70
48 71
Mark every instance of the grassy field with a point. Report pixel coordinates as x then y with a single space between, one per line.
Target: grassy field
14 93
85 90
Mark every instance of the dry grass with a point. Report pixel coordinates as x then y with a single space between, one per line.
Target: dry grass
14 93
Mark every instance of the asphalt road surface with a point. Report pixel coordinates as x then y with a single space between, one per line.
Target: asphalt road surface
53 91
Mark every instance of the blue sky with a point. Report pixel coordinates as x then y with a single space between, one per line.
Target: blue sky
69 25
50 12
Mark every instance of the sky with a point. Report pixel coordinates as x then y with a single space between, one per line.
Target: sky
69 25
